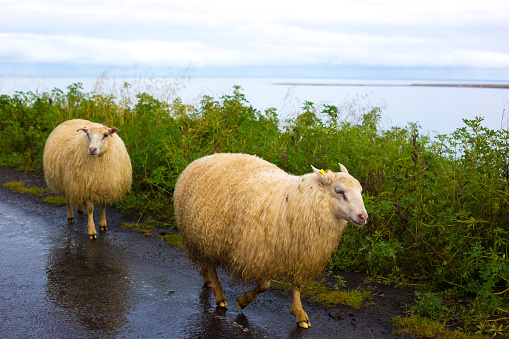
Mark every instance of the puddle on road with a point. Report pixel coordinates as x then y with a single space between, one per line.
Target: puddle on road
88 280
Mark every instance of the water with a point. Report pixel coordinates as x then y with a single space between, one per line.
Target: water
435 109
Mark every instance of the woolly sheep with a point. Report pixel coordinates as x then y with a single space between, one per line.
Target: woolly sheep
257 222
87 162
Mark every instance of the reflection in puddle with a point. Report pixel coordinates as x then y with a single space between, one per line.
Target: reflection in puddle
88 283
213 321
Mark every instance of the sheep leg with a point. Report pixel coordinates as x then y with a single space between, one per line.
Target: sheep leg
251 295
204 271
297 310
92 233
70 213
81 209
103 225
217 289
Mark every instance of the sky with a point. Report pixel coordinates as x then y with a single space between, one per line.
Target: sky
268 37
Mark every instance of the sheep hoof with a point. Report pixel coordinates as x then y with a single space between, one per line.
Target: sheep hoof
92 236
81 212
103 228
241 305
222 303
71 220
304 324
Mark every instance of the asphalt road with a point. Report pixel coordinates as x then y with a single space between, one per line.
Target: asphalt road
57 283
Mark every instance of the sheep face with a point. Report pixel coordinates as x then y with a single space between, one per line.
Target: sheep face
98 139
346 195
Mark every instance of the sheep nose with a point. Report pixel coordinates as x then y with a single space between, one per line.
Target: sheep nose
363 217
92 149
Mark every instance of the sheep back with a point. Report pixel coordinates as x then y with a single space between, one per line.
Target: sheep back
253 219
71 171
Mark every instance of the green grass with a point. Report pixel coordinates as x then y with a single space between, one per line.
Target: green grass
55 200
318 292
140 228
173 239
424 327
19 187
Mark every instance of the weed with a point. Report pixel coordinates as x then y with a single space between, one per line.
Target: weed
490 328
341 282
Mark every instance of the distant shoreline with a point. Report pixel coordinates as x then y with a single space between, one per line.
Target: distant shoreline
466 85
505 86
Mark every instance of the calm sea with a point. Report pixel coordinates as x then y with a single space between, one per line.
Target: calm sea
437 109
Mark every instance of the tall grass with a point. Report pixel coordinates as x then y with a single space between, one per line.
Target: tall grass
438 207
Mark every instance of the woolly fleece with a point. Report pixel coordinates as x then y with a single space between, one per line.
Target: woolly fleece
256 221
69 169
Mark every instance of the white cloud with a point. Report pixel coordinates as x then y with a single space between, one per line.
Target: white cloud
221 33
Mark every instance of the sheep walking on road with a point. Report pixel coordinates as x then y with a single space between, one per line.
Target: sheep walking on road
87 162
257 222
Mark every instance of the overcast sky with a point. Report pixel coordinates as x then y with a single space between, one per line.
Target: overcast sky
205 33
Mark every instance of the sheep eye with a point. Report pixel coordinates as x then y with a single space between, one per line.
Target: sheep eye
105 135
340 191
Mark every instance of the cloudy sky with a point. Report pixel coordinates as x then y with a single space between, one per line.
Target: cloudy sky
219 34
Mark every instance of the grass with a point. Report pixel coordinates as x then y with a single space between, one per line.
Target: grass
419 326
140 228
318 292
173 239
17 186
55 200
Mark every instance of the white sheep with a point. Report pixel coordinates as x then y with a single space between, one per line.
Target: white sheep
257 222
87 162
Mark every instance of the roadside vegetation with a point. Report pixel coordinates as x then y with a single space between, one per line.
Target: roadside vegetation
439 207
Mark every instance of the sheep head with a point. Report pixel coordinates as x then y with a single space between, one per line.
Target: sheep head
98 139
346 195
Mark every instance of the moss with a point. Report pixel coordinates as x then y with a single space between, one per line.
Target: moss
416 325
58 200
318 292
173 239
17 186
135 227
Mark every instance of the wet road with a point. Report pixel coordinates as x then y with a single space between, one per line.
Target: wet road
57 283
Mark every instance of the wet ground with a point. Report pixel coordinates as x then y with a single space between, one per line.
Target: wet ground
57 283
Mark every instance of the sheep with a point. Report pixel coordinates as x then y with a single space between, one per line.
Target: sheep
87 162
257 222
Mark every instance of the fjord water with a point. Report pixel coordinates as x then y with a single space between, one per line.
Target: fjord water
436 109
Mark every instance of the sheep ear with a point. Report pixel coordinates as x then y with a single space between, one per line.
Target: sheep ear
113 130
324 180
343 168
82 129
